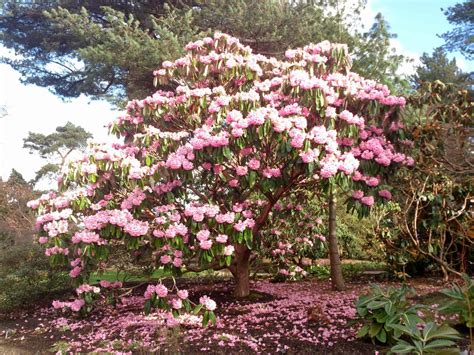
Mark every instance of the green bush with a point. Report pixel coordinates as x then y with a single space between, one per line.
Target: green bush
381 311
26 277
462 304
432 339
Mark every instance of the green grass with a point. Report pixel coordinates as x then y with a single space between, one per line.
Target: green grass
348 269
113 275
124 276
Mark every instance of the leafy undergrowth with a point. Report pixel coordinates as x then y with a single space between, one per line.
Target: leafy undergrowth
274 319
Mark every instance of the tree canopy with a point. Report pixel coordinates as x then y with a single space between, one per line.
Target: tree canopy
111 52
461 37
438 67
56 147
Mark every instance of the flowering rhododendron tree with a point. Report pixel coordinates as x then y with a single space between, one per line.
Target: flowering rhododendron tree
203 165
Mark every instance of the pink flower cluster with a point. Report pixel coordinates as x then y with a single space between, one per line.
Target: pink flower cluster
85 288
166 187
75 305
86 237
135 198
56 250
208 303
160 290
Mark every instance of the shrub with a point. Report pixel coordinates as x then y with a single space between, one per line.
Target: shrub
204 166
26 277
461 303
430 340
382 311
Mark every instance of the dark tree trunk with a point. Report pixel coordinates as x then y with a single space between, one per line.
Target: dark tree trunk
337 279
240 270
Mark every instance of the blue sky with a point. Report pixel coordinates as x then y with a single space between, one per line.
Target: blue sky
417 23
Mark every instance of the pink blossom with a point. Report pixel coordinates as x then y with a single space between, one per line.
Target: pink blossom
241 170
358 194
209 304
177 262
240 226
385 194
161 291
205 244
254 164
136 228
203 235
176 303
234 183
75 272
221 238
77 305
165 259
183 294
372 181
228 250
367 200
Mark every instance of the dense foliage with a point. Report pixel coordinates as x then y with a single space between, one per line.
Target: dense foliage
110 49
435 197
56 147
26 277
382 310
203 166
460 38
16 219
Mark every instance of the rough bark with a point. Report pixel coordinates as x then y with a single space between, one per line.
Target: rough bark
240 270
337 279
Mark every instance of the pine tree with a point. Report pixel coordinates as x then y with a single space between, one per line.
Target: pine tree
461 38
111 52
56 147
438 67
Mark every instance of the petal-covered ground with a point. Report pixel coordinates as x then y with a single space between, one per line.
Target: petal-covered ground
297 317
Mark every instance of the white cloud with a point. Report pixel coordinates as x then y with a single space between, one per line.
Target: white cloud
462 63
368 15
35 109
408 68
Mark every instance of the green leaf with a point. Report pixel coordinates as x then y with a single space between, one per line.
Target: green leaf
212 317
440 343
382 336
402 347
374 329
363 331
400 327
147 307
252 178
381 317
444 331
205 318
376 304
197 309
148 160
227 152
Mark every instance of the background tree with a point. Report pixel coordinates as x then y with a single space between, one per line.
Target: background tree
461 38
16 219
101 52
56 147
375 58
435 218
111 52
438 67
